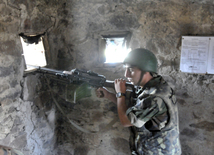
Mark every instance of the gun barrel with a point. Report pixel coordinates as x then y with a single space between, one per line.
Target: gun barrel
54 71
44 69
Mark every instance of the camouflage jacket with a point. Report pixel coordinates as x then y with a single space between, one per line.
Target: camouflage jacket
155 129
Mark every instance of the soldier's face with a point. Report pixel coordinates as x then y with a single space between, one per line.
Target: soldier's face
133 74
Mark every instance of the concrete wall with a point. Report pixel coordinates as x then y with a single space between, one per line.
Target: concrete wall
31 120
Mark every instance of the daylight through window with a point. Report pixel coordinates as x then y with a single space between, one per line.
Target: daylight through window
116 50
34 54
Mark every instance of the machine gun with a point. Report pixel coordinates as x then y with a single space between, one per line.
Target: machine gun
78 76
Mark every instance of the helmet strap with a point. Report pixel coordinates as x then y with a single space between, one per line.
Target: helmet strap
141 77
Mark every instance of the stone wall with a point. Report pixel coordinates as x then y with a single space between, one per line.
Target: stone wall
33 123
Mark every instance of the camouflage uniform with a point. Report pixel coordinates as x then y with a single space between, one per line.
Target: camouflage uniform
155 129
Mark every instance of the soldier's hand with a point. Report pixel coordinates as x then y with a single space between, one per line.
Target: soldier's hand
120 85
102 92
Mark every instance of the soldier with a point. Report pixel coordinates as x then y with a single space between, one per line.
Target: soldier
153 118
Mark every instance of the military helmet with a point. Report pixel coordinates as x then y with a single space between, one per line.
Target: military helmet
143 59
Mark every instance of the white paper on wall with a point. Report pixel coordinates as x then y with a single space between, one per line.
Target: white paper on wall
210 66
197 55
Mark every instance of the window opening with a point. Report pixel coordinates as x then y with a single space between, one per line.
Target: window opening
116 50
33 51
